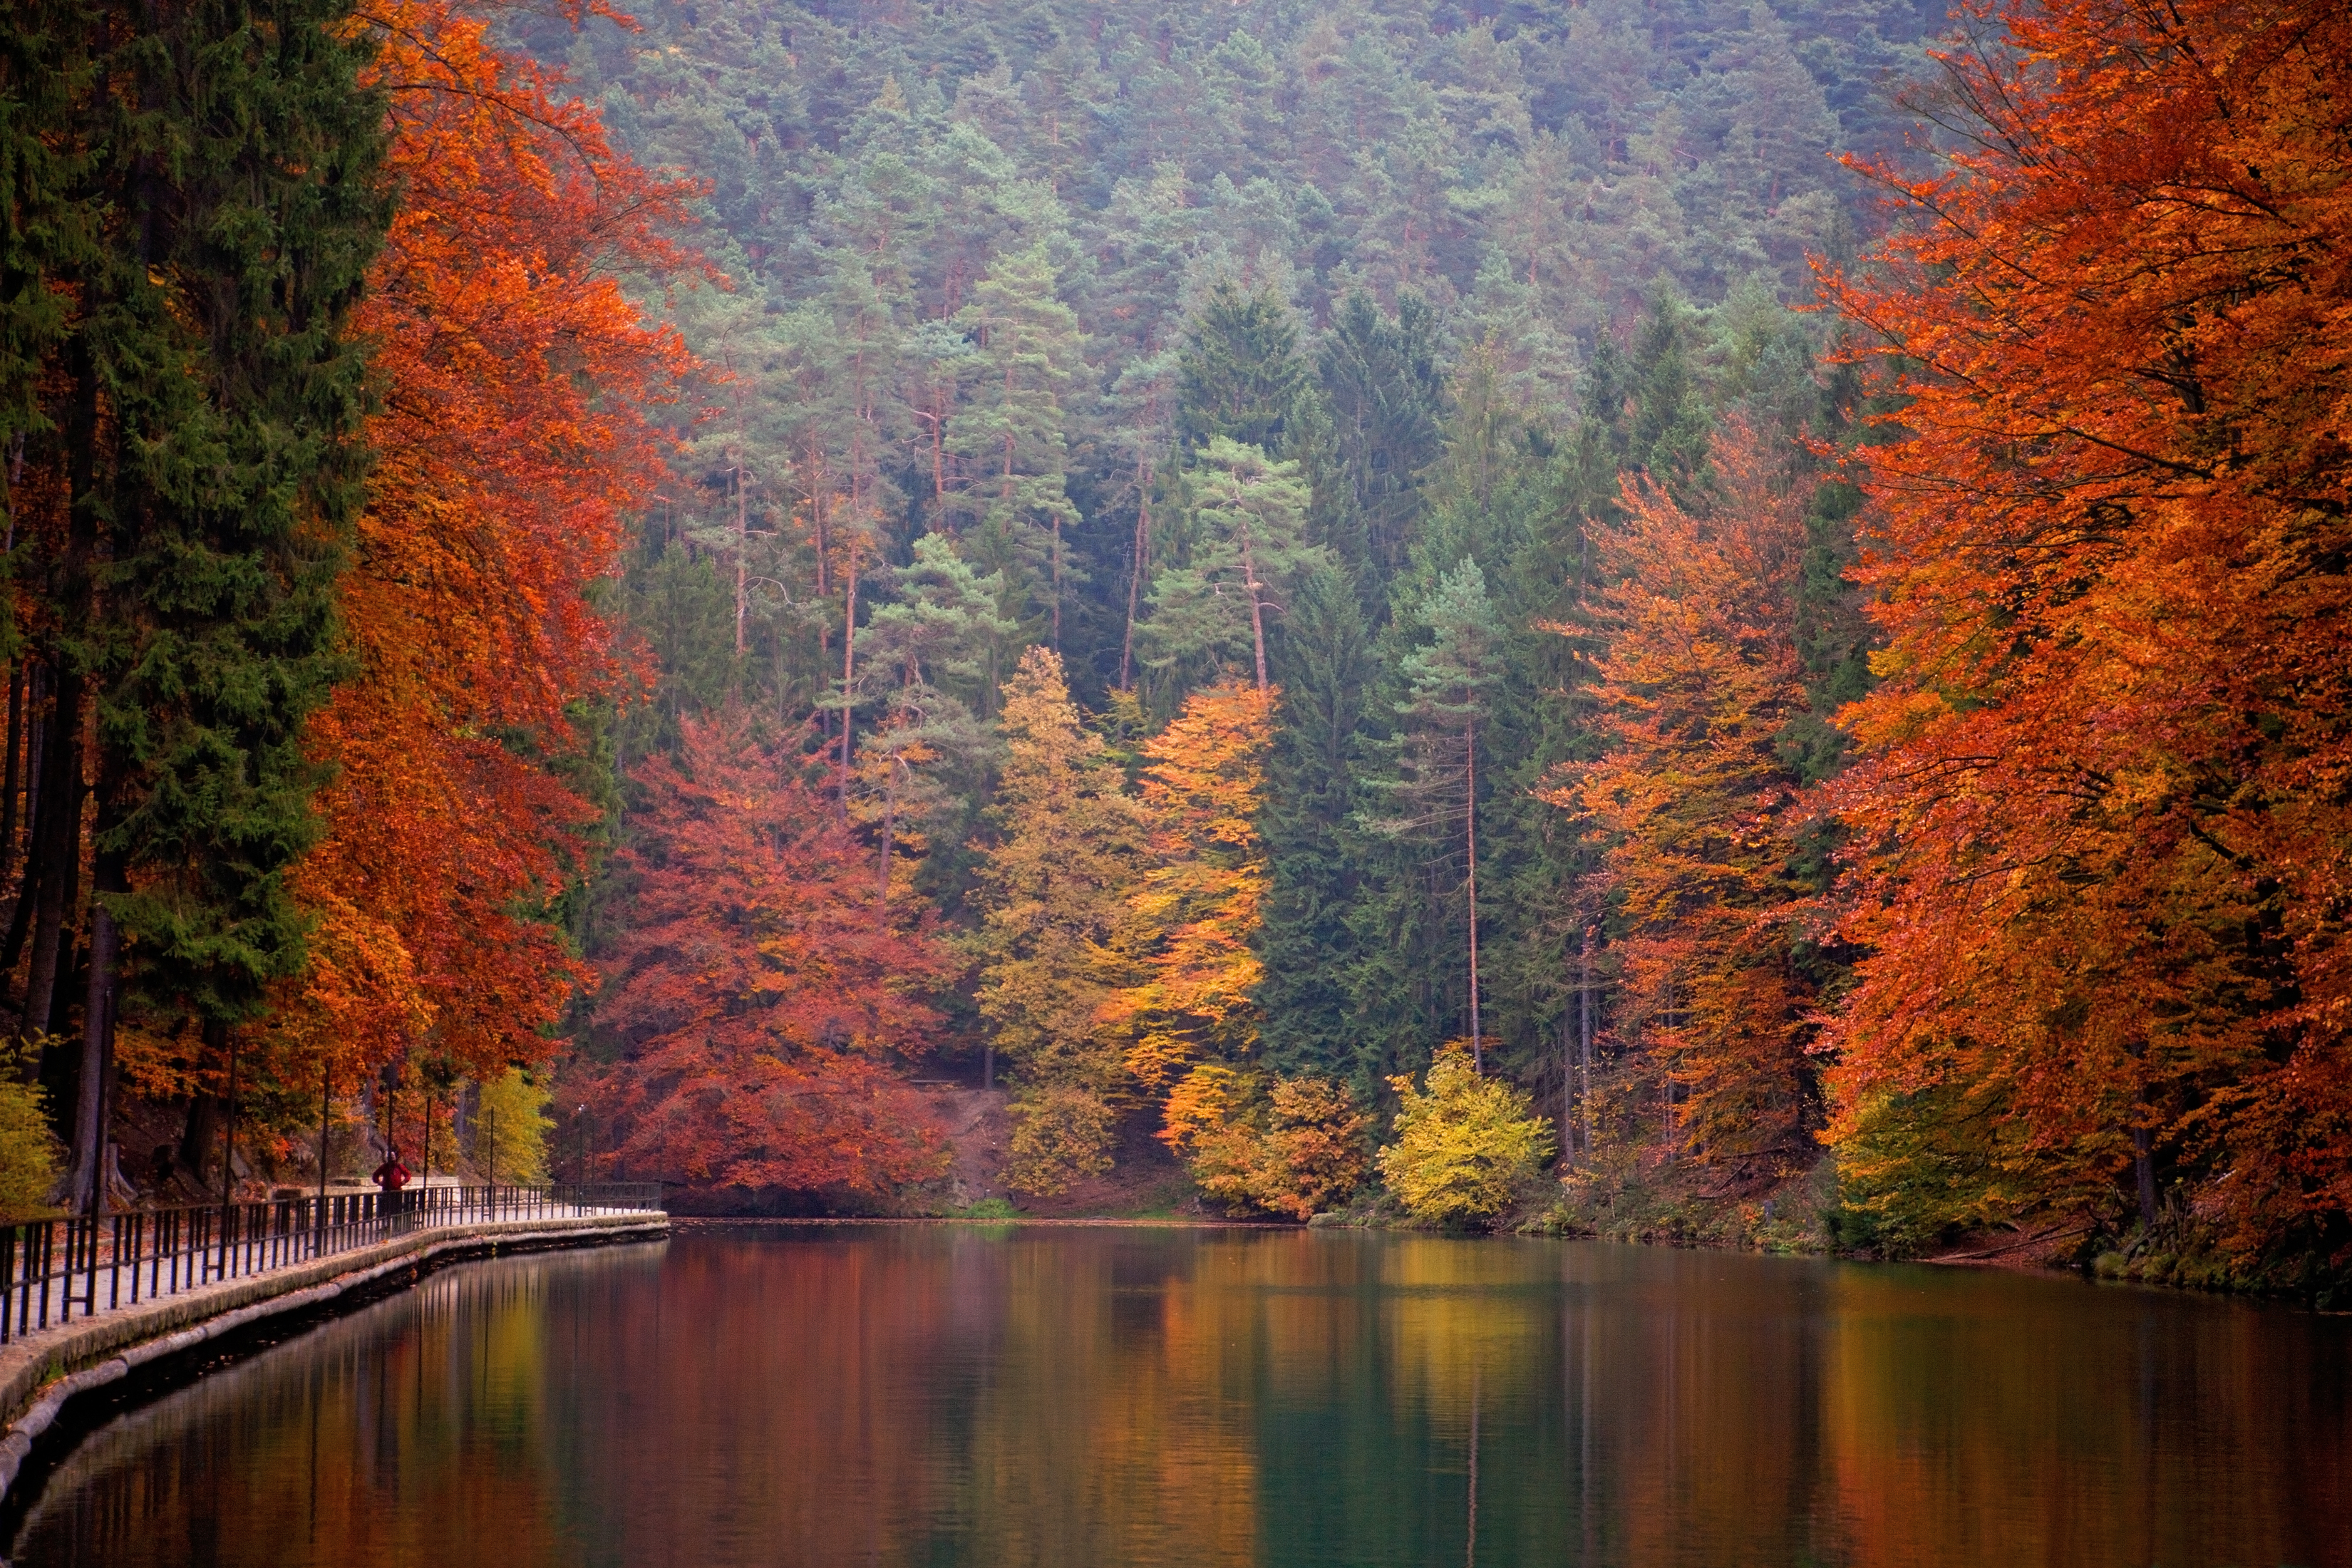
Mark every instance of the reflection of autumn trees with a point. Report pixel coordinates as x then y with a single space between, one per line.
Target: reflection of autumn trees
1162 1396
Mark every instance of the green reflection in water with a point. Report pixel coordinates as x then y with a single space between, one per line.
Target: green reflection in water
966 1396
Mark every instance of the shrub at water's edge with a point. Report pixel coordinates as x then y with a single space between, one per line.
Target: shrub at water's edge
1466 1146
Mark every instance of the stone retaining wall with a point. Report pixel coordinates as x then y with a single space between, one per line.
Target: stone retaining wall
40 1371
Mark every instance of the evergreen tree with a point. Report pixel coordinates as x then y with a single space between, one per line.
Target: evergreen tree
1381 383
1241 375
1010 439
209 448
1249 548
1323 660
1446 703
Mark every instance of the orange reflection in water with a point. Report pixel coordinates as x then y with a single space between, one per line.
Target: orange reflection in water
1004 1395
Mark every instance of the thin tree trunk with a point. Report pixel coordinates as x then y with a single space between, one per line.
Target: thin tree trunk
1135 578
2143 1168
889 832
60 850
216 1034
326 1123
742 547
88 1190
938 446
1470 816
28 888
849 674
12 778
1057 582
1584 1045
1257 635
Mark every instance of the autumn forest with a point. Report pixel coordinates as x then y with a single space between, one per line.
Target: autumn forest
1661 619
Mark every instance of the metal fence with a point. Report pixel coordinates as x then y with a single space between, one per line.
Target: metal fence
53 1271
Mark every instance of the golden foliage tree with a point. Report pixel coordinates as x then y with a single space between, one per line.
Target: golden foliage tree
1465 1145
1054 890
1186 945
1293 1147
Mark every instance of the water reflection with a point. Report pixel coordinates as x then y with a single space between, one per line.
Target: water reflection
1016 1397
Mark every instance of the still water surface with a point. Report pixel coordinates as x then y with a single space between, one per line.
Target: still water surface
1095 1397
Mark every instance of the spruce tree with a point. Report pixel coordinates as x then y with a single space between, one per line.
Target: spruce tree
237 157
1381 383
1240 375
1322 661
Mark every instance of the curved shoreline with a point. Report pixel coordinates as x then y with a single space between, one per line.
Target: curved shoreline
42 1373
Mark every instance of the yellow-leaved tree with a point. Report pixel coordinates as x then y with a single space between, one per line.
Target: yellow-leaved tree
1055 890
1464 1144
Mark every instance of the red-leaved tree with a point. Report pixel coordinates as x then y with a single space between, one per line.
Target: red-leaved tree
762 988
2102 819
1695 804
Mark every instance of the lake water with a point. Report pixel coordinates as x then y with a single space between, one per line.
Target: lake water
1109 1396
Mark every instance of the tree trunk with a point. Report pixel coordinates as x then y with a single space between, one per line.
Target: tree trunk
849 674
1470 817
12 778
88 1187
28 888
889 831
217 1038
203 1132
1584 1046
1257 635
2143 1149
60 850
1135 578
742 548
326 1126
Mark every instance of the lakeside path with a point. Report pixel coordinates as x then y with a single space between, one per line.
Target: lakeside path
40 1371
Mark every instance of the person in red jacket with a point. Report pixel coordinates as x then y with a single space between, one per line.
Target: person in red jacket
391 1176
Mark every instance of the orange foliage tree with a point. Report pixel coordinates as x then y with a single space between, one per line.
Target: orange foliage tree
2102 822
762 985
1193 919
1696 804
510 446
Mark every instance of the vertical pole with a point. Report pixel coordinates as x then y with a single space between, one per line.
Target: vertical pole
229 1127
326 1113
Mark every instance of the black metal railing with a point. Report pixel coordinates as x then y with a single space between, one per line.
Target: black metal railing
53 1271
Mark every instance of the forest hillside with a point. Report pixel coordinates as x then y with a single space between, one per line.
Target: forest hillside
1649 616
